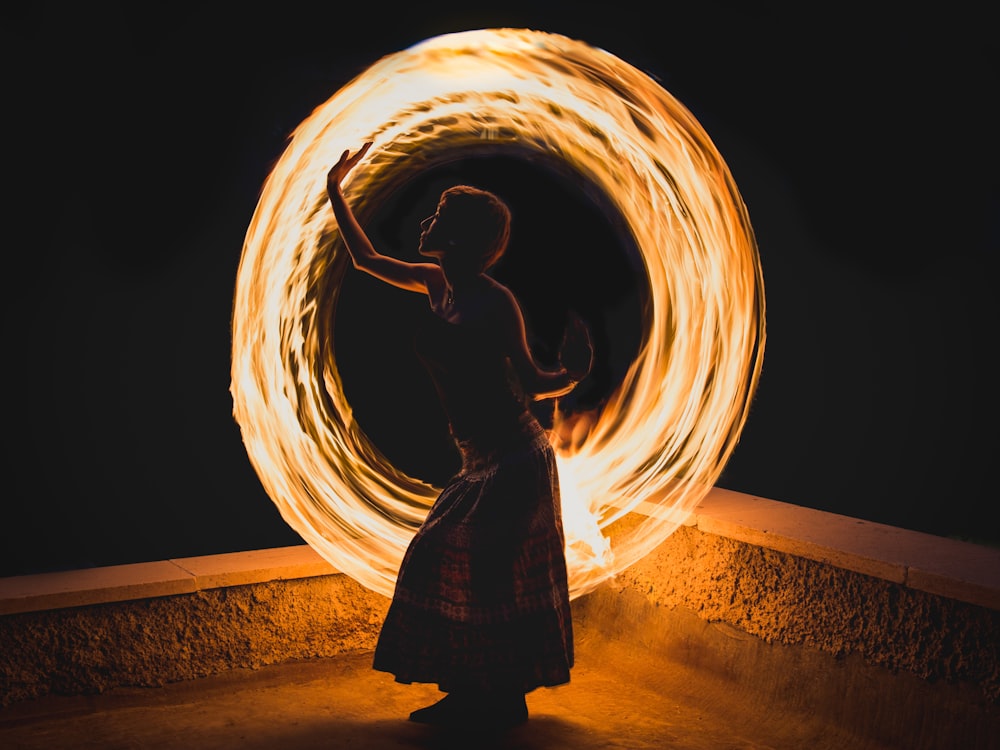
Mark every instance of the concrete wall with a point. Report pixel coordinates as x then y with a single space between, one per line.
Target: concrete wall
884 662
873 624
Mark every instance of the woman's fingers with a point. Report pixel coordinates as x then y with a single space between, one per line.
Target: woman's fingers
347 162
360 154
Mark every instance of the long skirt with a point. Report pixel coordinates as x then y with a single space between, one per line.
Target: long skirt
481 600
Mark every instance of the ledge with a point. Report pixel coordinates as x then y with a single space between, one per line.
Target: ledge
117 583
924 562
936 565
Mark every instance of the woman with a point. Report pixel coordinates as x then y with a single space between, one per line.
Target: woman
481 604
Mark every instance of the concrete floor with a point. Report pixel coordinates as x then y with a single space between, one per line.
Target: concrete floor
618 697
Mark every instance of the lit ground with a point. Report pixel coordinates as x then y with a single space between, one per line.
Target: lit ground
619 697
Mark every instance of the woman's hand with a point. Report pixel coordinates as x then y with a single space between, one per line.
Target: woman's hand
576 353
347 162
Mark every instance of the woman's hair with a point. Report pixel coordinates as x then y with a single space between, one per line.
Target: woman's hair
478 223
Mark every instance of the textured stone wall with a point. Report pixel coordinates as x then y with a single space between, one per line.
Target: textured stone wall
150 642
784 599
886 662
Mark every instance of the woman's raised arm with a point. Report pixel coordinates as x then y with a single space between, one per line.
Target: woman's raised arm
414 277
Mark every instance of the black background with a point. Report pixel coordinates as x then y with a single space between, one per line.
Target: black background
863 142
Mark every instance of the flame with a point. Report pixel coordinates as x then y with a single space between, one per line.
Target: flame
632 471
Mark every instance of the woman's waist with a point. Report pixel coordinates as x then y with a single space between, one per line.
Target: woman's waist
485 448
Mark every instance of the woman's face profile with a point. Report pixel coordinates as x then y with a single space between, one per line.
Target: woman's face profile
432 239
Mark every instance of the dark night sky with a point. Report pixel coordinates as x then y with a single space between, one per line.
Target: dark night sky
864 146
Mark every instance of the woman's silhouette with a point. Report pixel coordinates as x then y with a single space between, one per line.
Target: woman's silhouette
481 604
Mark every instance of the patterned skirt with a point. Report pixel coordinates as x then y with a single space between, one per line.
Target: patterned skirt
481 599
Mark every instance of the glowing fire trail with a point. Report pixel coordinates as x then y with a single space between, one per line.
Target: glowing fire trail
632 472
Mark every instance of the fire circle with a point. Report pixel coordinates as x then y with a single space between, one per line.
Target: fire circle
636 470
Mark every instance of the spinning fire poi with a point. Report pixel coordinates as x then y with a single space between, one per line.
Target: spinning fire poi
636 468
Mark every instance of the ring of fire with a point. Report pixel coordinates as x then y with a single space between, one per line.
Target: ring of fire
634 471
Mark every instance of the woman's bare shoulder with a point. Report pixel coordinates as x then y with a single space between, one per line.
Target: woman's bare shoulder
504 304
499 292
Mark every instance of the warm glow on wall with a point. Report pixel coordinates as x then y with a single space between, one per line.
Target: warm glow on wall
661 440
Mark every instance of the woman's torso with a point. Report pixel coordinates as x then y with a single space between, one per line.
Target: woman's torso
475 382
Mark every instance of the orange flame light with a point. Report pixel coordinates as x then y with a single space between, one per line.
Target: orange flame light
636 469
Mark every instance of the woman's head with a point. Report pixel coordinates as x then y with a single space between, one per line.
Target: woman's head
469 230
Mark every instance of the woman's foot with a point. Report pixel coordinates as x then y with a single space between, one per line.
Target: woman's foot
448 711
484 710
506 711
